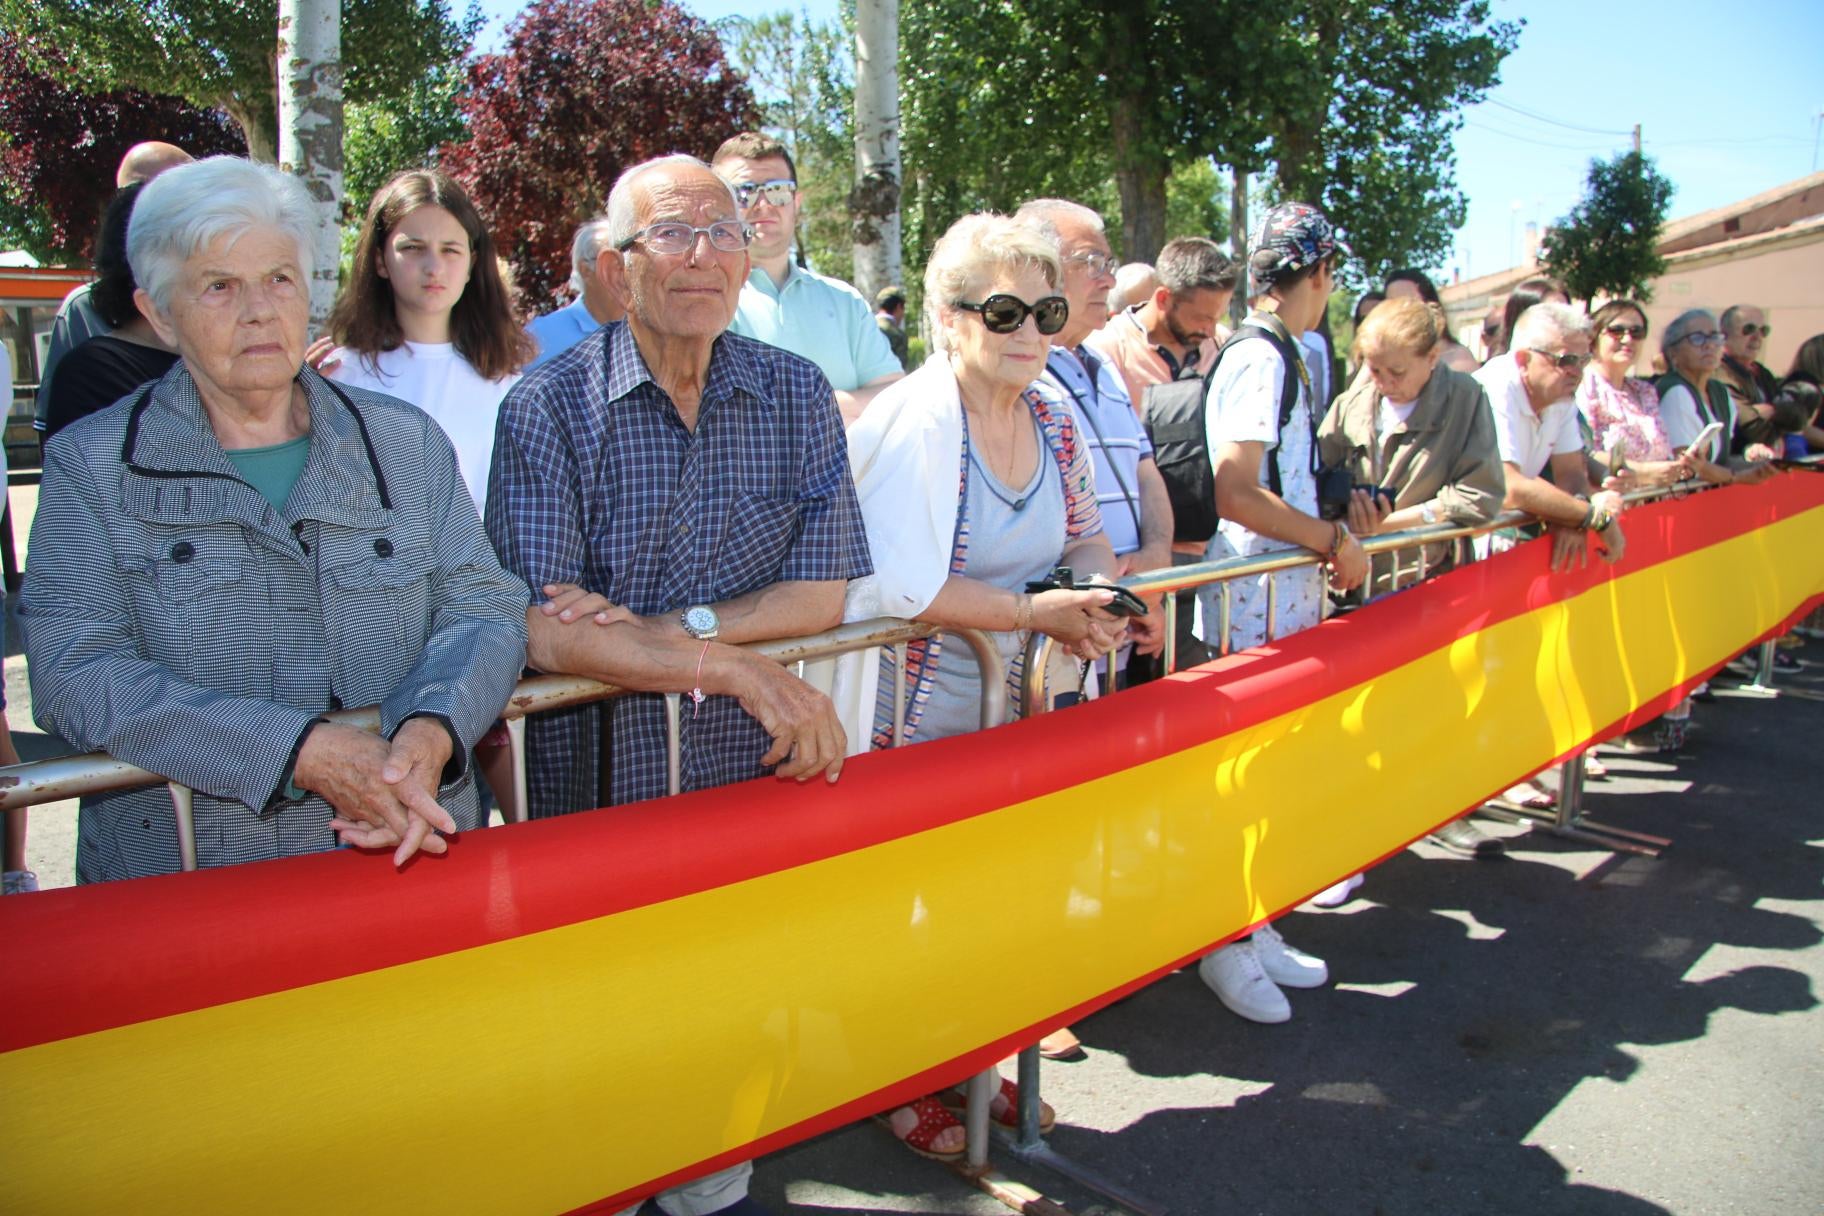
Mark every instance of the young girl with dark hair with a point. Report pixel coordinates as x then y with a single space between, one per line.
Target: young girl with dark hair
426 317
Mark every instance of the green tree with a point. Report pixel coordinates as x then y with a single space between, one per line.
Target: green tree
219 54
1194 202
802 75
1609 244
1361 119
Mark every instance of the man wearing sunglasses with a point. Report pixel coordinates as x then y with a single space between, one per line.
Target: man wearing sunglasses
1531 390
788 305
1750 383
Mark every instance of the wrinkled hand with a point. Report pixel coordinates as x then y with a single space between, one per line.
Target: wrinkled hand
1069 616
1367 512
383 794
317 355
569 603
807 737
1607 501
1614 544
1760 452
1621 481
1570 546
1349 568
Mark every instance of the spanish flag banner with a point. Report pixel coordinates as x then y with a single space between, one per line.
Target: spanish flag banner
573 1013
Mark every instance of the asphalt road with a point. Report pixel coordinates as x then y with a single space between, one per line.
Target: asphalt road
1566 1031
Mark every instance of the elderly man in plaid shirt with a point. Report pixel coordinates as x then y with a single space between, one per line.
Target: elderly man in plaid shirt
698 482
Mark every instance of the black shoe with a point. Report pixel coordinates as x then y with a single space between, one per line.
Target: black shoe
1463 838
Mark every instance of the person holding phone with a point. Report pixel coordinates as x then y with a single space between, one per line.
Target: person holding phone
1691 398
974 483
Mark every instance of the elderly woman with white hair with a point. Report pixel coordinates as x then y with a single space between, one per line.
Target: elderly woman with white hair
1691 397
233 550
973 482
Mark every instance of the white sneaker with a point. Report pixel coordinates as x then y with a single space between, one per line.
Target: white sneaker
1337 896
1288 966
19 882
1235 975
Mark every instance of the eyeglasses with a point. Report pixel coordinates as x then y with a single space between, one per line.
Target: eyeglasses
1564 363
1748 331
675 236
1618 331
777 192
1095 263
1004 314
1702 340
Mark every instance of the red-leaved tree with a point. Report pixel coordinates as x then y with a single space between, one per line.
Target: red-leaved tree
584 89
59 149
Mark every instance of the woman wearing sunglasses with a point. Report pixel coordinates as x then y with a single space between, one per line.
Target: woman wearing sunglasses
1691 398
973 483
1623 411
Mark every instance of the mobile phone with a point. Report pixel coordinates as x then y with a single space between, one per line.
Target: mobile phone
1125 603
1703 445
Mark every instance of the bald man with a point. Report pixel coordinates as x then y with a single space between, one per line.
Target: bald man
76 320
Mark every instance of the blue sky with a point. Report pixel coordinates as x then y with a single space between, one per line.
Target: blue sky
1728 98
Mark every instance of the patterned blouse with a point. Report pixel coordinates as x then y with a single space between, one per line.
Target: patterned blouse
1629 414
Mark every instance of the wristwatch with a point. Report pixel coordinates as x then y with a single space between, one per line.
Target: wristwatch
700 622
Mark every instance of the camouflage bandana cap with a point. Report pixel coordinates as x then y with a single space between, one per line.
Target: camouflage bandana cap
1291 237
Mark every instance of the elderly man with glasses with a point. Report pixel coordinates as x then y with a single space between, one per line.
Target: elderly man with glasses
787 304
675 490
1532 392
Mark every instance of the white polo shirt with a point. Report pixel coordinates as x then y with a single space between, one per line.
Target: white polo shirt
1527 437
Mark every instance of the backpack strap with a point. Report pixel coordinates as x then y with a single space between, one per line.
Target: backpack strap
1270 328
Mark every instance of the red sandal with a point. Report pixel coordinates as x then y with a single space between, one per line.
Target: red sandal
1009 1114
933 1121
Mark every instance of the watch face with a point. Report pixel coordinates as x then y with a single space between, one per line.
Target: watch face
700 622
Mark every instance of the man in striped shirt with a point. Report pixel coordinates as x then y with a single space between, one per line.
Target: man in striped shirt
1136 511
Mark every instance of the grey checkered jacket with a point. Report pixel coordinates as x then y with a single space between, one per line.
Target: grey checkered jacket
175 619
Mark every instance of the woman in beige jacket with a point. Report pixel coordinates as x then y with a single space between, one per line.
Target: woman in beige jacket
1421 431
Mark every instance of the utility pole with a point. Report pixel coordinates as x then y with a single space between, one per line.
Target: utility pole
1637 139
310 131
1238 242
874 202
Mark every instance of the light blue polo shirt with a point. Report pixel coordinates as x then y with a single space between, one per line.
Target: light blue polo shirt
823 319
556 332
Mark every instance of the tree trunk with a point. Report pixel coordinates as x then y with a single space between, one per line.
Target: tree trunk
310 131
874 202
1238 242
1140 179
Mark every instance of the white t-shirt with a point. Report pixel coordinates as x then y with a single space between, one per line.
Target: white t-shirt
1242 406
1683 421
1393 414
433 377
1526 437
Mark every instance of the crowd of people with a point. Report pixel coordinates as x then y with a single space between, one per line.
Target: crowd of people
715 444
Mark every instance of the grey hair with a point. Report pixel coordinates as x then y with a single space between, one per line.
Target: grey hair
591 240
1733 313
185 208
1682 325
624 216
1044 214
976 245
1545 323
1193 263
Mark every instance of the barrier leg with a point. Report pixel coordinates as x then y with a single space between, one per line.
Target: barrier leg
978 1094
1567 822
1762 684
674 743
183 802
1028 1146
516 744
1170 604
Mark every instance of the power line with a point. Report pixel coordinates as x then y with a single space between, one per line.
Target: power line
1538 117
1527 139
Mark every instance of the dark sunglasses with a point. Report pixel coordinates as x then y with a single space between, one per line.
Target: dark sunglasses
777 192
1003 314
1616 329
1565 363
1748 331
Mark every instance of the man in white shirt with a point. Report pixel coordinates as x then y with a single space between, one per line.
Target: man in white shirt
594 305
1266 495
1530 389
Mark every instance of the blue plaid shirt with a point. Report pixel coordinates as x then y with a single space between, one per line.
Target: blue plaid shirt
597 481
